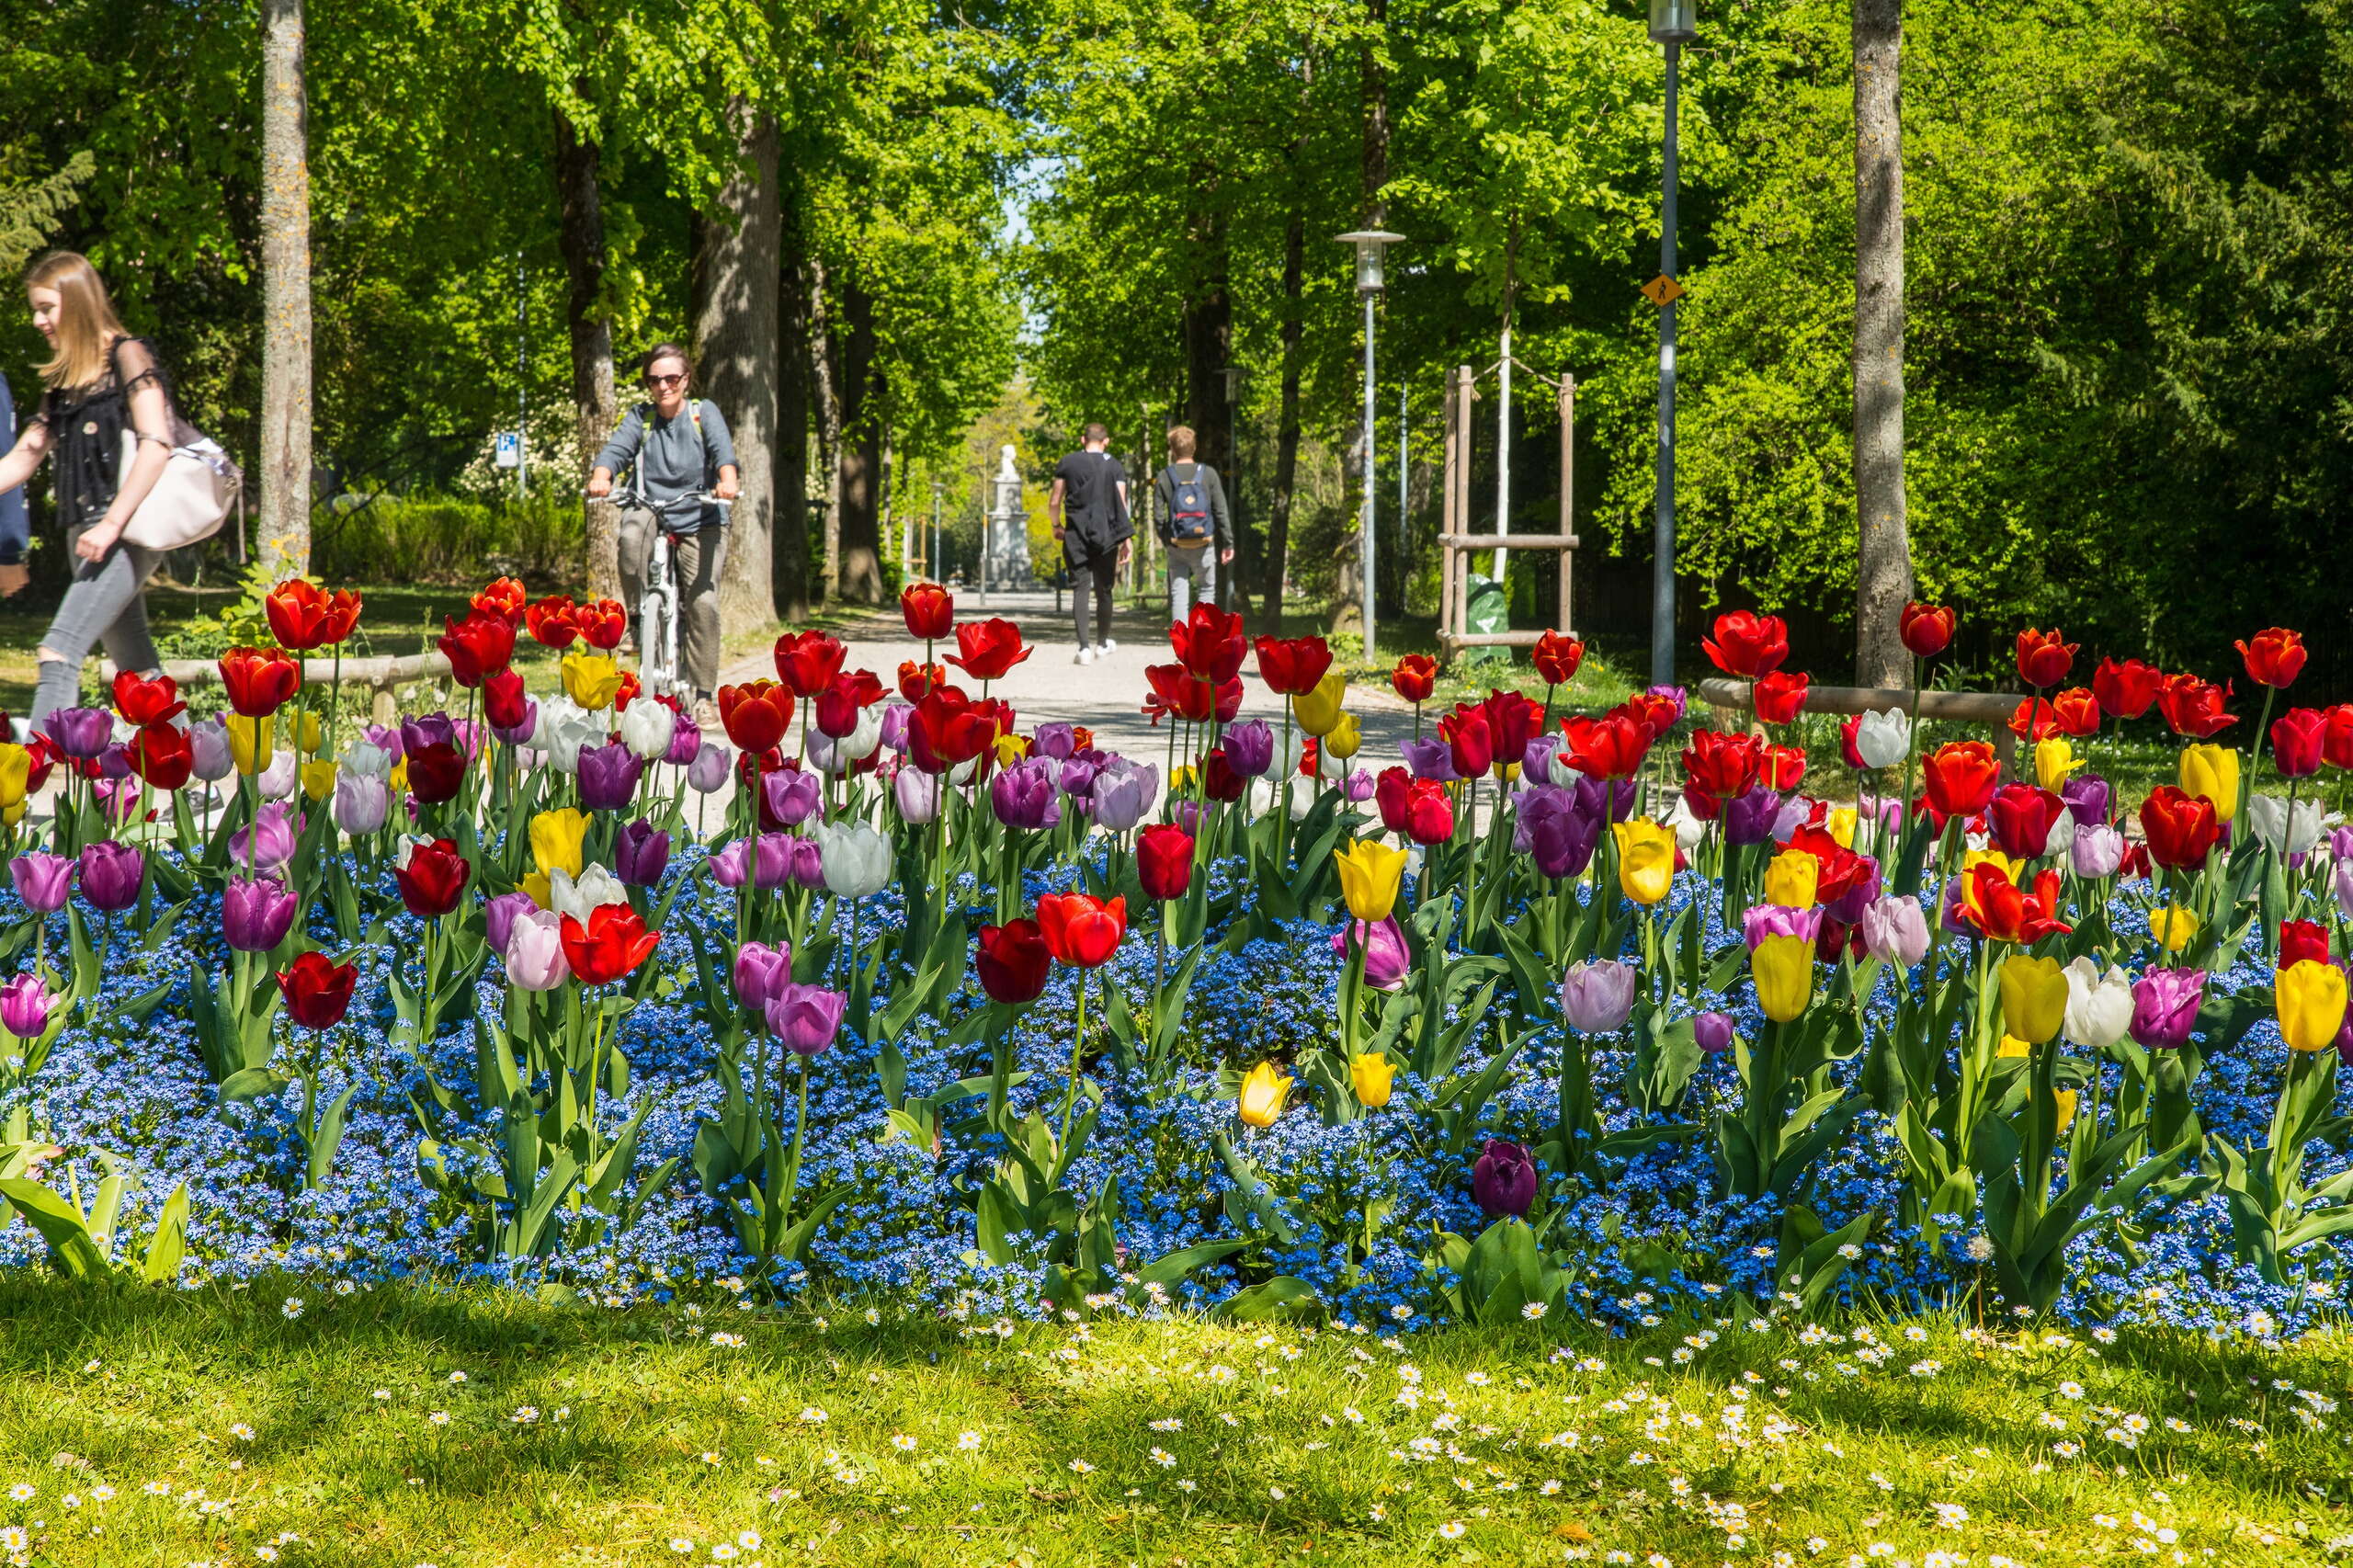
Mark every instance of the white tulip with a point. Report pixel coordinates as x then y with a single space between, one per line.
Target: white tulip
368 760
564 728
647 728
2062 833
856 859
2269 818
1882 739
593 888
276 782
2100 1006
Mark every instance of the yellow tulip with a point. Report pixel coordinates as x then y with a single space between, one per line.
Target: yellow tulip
1011 749
2054 759
2311 1003
1791 878
1263 1094
15 773
2213 772
318 778
1344 739
2173 927
12 815
2065 1101
1319 710
398 778
1370 873
1182 781
1645 859
1783 969
309 734
1840 824
252 743
592 680
1371 1073
2013 1046
2034 998
555 841
539 889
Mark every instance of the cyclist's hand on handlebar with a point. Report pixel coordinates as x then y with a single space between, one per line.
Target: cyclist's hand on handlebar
600 485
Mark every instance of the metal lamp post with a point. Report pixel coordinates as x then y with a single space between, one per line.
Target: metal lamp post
939 490
1673 23
1369 243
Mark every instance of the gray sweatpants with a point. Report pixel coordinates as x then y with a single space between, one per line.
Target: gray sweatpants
695 563
106 603
1192 574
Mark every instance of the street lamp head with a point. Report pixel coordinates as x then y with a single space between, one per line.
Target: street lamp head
1369 243
1675 21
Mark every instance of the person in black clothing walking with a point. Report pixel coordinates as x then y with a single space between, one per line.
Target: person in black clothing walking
1194 523
1089 507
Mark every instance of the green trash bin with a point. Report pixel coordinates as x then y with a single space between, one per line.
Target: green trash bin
1490 610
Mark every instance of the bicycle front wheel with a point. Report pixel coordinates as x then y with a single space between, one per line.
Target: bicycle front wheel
657 644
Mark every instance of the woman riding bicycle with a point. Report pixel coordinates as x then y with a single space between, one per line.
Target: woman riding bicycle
679 446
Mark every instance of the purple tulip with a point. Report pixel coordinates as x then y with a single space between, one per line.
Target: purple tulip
1430 758
1612 801
44 881
114 761
771 861
760 972
1793 814
686 740
1760 921
1250 748
641 854
1186 814
2096 851
209 755
1847 908
1362 787
1124 792
386 739
1559 827
118 799
1386 960
110 875
1894 931
1024 795
257 913
1677 695
807 858
1950 911
608 775
1503 1181
268 842
729 864
425 730
1749 819
520 735
1078 775
917 793
710 770
1713 1032
25 1004
1055 740
1597 995
2087 797
805 1018
895 724
2340 843
80 733
794 796
498 917
2164 1006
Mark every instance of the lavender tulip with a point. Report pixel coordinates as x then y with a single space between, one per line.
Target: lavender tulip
730 864
759 972
1077 776
709 771
608 775
114 761
1056 740
1430 758
1360 787
1386 960
794 796
1124 793
385 738
2096 851
110 875
917 794
806 1017
771 861
24 1006
80 733
1793 814
361 803
1760 921
257 913
268 842
2089 799
1250 748
1895 931
1503 1181
2164 1006
807 857
1186 812
44 881
1024 795
1597 995
498 917
1712 1031
641 853
534 951
895 724
1536 762
209 755
1749 819
2340 843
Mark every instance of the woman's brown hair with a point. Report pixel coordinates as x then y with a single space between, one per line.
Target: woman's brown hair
661 351
87 324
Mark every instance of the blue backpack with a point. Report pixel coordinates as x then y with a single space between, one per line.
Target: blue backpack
1189 525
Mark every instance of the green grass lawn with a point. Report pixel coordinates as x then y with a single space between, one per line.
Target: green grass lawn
407 1425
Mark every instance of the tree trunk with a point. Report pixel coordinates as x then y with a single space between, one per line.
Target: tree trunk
581 232
826 371
1209 349
285 547
861 453
1287 432
1883 557
734 314
791 525
1374 154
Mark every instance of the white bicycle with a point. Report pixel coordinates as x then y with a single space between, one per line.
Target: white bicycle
656 619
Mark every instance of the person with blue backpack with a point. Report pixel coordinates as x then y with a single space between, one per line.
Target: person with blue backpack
1193 523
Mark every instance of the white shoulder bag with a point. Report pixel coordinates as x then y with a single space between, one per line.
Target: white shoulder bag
190 498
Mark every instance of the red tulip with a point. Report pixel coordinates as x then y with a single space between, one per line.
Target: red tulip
162 755
2044 657
1209 643
947 729
259 680
807 661
1850 730
1611 746
2180 828
914 680
433 879
144 701
505 701
602 623
1080 928
436 771
1658 710
1927 630
502 596
1512 722
1415 677
2336 749
1292 667
317 990
2020 816
1780 696
1013 961
2301 940
986 650
1749 645
554 621
2275 658
838 707
296 611
1721 765
2125 690
1781 767
929 612
2299 740
1557 658
627 692
1961 776
478 646
608 944
1165 860
2007 913
2076 712
1219 781
1467 736
756 716
1429 814
2194 709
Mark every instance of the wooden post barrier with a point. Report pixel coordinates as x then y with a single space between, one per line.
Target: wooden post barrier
1458 544
381 673
1728 698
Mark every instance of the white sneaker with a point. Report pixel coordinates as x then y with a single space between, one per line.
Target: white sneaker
1104 647
1085 656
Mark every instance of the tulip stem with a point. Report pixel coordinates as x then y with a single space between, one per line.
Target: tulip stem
1077 1049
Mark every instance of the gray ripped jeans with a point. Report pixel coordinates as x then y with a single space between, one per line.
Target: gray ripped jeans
106 603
